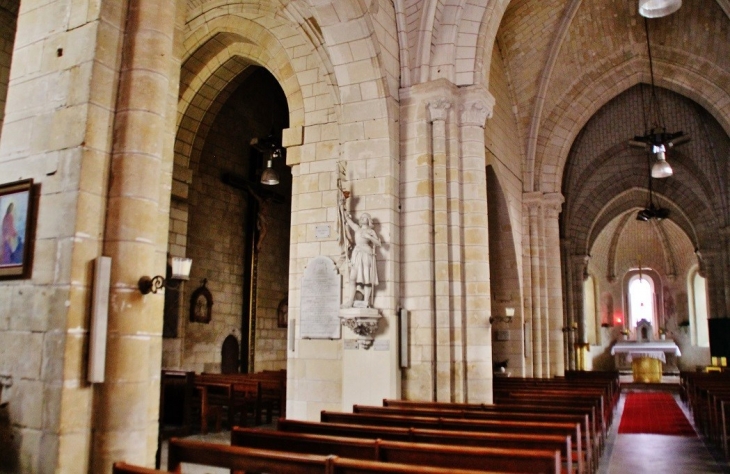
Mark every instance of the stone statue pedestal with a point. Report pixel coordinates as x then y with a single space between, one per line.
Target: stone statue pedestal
363 322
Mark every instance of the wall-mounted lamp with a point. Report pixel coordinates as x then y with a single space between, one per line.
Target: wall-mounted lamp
507 318
180 272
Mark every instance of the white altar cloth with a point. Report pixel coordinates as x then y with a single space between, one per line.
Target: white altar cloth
653 350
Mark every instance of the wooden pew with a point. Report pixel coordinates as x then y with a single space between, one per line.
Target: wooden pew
501 459
500 413
543 407
124 468
220 387
449 424
260 460
553 397
562 443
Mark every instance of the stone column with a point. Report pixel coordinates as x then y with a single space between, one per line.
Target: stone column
576 327
126 404
477 107
567 279
553 206
438 113
712 268
533 202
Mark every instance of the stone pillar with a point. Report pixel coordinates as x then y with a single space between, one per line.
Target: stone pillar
712 268
553 206
438 113
532 202
477 107
126 404
567 279
576 327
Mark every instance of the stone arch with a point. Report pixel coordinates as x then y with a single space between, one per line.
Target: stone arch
629 201
570 116
487 36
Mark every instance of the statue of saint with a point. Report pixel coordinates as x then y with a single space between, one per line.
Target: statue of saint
363 273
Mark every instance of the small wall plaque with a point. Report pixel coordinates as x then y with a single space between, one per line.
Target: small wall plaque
322 231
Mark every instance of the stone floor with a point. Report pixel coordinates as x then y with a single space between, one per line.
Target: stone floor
624 454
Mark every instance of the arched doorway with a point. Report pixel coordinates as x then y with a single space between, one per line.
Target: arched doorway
236 229
507 347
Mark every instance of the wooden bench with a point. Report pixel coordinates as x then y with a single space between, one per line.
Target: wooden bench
260 460
271 396
586 410
449 424
498 413
501 459
124 468
560 443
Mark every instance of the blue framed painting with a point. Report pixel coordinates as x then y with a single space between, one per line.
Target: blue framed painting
16 207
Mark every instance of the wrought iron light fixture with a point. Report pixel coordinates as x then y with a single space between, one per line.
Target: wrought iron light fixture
658 8
657 141
509 313
270 176
180 272
270 148
651 211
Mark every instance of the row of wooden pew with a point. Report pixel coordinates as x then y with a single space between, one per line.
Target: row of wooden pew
536 425
707 395
186 397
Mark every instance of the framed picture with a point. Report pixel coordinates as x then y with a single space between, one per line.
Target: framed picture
282 313
201 304
16 209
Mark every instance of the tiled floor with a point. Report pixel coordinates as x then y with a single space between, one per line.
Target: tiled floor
624 454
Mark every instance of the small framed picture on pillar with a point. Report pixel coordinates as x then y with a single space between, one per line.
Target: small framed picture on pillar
16 235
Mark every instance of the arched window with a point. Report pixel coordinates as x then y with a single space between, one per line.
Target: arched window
697 291
641 300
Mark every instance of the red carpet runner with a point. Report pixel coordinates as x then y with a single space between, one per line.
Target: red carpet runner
654 413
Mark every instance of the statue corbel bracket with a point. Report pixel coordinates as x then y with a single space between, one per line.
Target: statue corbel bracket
363 322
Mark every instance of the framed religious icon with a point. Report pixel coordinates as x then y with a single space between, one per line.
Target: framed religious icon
282 313
201 304
16 207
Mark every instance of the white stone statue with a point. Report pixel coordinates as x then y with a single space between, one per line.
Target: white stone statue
363 272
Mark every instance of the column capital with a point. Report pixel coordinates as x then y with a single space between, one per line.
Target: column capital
477 105
438 108
532 200
553 204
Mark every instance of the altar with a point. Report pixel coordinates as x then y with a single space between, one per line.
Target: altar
647 359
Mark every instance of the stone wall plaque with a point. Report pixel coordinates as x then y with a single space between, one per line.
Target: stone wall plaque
320 302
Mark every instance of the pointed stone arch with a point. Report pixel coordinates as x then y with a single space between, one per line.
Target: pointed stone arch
562 126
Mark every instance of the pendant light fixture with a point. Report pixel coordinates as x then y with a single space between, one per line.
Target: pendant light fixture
658 8
270 176
269 147
656 140
651 211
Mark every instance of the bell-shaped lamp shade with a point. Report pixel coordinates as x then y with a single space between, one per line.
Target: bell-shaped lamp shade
661 168
269 176
181 268
658 8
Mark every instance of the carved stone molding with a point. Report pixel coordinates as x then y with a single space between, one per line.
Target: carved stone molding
476 112
553 203
477 105
438 109
363 322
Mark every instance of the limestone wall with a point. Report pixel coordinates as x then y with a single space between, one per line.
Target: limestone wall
504 161
56 131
